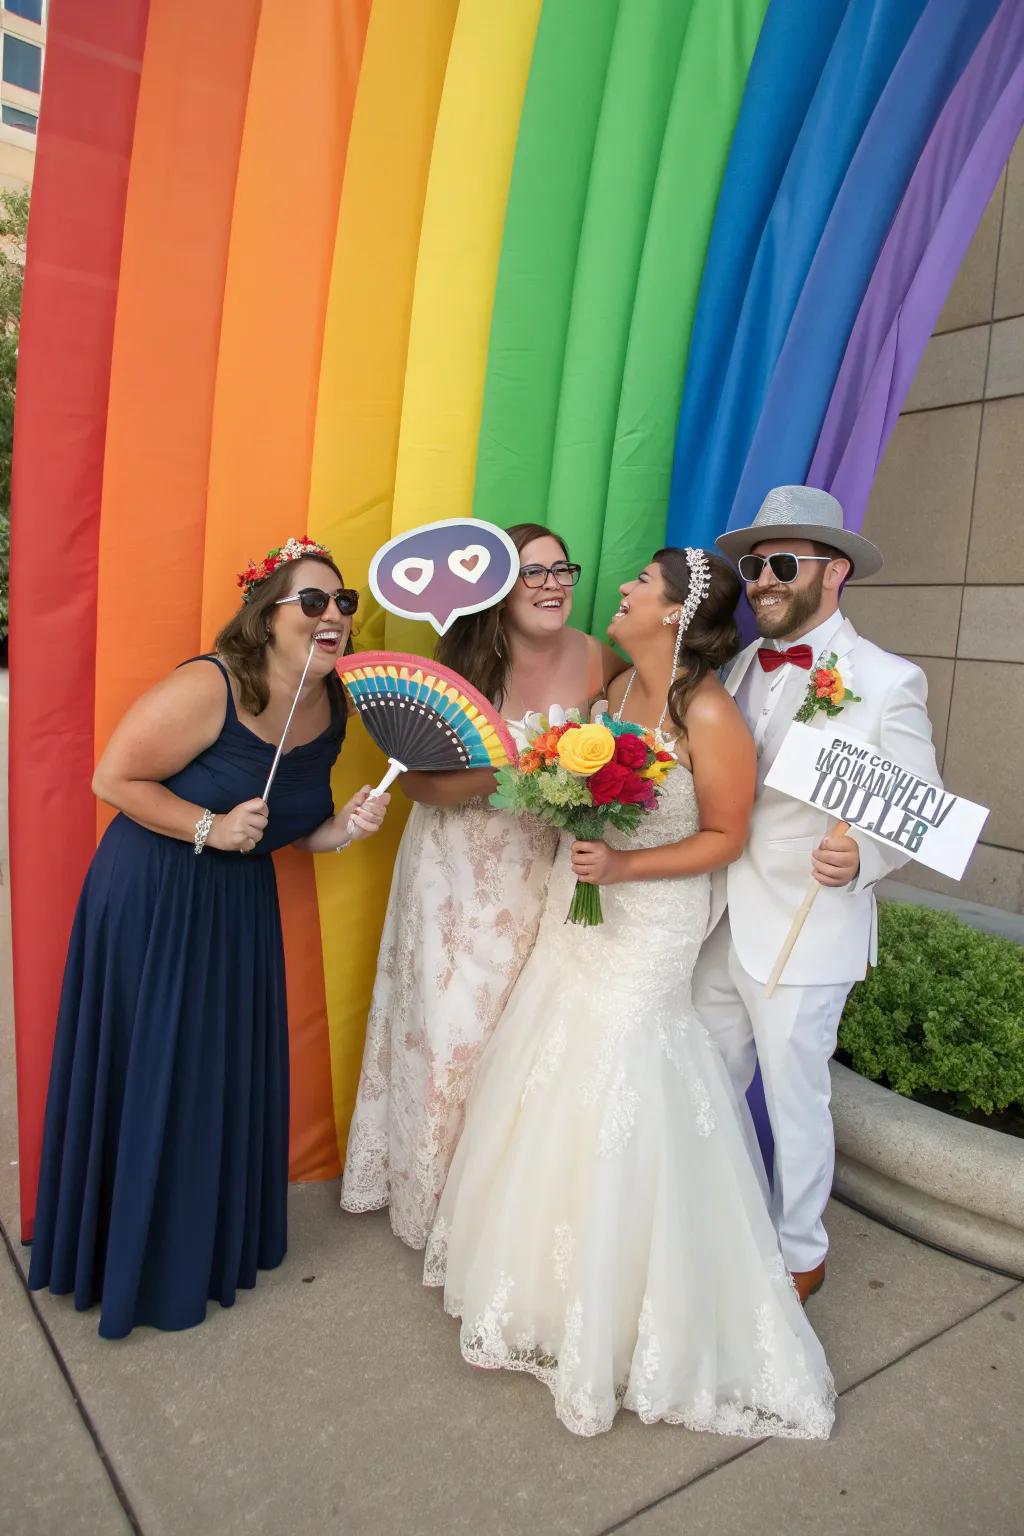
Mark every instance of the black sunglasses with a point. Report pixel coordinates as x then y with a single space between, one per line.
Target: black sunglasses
785 567
314 601
536 575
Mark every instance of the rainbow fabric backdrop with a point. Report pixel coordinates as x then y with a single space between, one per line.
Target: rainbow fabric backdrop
347 266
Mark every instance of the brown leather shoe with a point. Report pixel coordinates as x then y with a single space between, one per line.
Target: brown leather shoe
808 1281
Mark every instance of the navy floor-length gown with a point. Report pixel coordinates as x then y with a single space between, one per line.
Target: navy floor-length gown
165 1152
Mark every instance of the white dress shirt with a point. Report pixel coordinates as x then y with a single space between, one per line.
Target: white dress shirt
761 693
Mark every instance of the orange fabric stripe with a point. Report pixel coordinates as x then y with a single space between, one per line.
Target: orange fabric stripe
279 261
359 407
180 195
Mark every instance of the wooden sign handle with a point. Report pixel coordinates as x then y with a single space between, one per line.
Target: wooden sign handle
798 921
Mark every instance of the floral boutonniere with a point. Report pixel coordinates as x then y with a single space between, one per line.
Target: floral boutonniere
828 690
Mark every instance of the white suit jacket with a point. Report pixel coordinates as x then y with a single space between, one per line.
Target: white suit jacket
764 887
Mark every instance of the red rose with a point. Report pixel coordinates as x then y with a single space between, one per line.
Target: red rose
607 782
637 791
631 752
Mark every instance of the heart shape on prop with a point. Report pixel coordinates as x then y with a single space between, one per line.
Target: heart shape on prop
470 563
402 574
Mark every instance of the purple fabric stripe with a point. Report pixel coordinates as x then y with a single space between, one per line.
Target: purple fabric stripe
933 227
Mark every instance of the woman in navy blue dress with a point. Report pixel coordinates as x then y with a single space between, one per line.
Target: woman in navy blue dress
165 1152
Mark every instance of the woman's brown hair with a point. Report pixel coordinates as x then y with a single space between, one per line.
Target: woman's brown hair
476 646
242 643
713 637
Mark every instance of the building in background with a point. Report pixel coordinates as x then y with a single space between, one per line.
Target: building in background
947 509
22 45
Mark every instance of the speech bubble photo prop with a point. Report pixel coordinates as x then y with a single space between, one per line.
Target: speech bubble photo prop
443 570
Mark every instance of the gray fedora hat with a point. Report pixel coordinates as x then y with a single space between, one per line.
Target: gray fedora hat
802 512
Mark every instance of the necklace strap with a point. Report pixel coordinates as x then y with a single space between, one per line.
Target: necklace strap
617 717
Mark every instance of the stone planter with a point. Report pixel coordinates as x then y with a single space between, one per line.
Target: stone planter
957 1185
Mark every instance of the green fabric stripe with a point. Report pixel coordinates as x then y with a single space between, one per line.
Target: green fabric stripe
709 85
533 293
641 77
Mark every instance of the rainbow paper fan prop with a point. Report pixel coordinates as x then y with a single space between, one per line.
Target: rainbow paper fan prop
424 716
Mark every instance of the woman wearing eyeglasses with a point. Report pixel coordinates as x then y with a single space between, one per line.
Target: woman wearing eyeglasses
165 1155
466 900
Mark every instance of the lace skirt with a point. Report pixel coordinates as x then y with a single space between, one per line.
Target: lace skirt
604 1226
465 905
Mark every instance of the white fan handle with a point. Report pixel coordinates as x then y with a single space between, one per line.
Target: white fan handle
395 771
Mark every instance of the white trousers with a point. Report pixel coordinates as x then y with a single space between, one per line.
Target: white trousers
792 1035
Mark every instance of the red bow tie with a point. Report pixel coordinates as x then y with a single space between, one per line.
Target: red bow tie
799 655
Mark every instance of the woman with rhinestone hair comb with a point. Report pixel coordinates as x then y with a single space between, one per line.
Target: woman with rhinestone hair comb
603 1227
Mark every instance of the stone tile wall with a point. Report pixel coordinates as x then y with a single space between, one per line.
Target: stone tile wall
948 511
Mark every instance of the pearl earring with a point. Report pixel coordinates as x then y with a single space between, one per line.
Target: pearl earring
671 618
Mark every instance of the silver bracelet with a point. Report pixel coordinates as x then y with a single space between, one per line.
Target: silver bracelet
342 846
203 826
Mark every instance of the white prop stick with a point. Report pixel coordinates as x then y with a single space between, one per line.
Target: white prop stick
798 922
395 771
287 724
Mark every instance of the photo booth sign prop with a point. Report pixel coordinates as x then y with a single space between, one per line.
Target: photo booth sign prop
852 779
443 570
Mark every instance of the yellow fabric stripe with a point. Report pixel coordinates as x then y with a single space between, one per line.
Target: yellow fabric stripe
477 127
362 375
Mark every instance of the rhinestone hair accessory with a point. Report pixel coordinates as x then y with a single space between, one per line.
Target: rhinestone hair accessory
292 549
699 567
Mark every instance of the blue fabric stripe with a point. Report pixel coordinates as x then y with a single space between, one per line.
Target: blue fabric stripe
790 51
871 36
794 405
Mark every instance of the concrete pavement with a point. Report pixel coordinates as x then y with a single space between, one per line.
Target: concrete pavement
333 1398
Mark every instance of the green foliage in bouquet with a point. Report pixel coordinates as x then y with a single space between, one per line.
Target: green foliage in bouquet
943 1011
562 800
584 779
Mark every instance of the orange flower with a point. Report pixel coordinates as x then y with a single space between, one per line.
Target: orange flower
547 744
829 685
530 761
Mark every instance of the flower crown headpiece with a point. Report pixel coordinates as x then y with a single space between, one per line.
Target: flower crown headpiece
293 549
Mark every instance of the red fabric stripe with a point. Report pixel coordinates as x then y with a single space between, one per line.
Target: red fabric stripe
93 62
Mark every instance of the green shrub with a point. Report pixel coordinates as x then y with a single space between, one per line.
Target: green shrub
943 1011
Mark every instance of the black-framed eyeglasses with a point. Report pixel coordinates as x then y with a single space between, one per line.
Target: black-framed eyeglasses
784 565
536 575
314 600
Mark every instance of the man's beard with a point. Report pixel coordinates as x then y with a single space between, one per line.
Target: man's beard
793 610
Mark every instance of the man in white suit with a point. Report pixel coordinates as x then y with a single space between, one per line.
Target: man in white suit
795 560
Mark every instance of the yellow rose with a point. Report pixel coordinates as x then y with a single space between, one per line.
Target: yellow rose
657 772
587 749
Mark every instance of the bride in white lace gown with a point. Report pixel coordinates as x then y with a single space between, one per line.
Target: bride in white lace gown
605 1224
466 900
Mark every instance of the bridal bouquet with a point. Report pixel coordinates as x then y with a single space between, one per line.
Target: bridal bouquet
582 779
